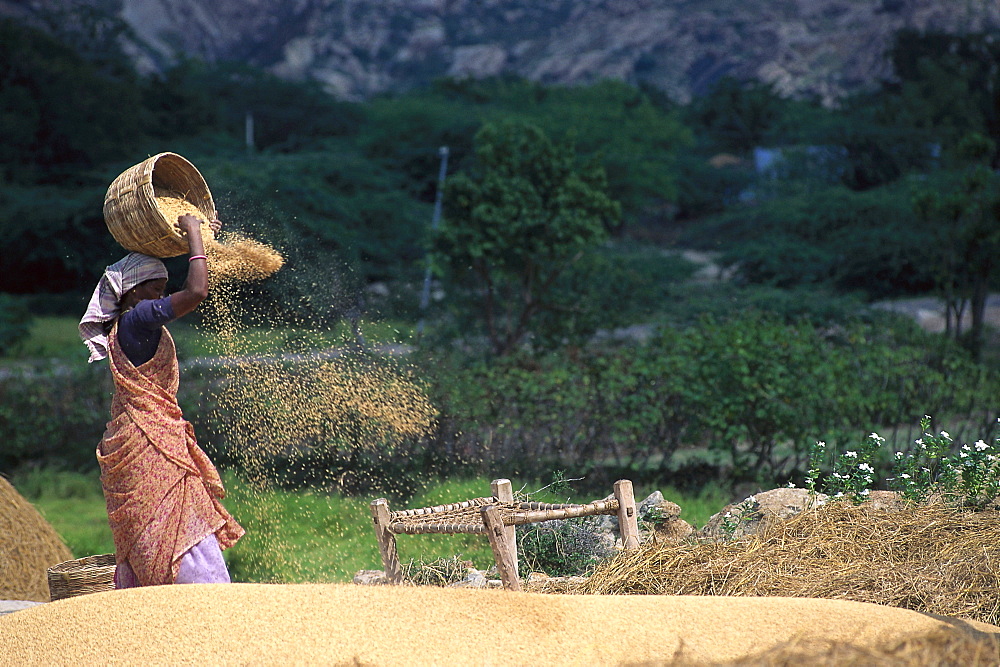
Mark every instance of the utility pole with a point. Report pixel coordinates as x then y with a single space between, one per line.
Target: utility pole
425 293
248 132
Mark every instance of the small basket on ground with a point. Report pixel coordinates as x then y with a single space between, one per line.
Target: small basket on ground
131 211
91 574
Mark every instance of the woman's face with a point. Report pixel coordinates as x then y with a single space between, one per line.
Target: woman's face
151 289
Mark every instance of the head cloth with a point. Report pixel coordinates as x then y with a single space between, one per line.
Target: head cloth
133 269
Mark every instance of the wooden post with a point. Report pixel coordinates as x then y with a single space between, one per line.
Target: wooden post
501 551
386 541
628 523
503 492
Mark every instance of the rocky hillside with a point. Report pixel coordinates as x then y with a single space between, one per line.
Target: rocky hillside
358 48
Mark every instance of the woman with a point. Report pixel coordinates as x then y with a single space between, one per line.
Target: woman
163 493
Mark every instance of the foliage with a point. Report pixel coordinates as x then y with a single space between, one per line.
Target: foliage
46 138
518 221
52 413
737 116
193 98
636 139
560 548
946 84
961 214
750 388
15 323
936 466
849 241
342 220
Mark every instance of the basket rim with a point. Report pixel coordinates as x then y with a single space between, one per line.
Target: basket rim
99 561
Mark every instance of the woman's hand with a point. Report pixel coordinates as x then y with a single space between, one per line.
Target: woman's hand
187 224
215 226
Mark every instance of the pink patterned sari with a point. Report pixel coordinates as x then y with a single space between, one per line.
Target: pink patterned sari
162 491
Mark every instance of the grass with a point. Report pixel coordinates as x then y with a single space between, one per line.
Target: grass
51 338
302 536
58 338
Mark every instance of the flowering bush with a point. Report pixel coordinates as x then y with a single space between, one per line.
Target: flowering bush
969 474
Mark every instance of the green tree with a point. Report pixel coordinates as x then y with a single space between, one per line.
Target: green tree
946 84
517 220
963 216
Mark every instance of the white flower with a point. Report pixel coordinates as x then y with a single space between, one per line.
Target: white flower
905 476
851 455
822 444
944 434
963 454
791 485
981 446
864 492
866 467
752 499
919 441
899 455
876 436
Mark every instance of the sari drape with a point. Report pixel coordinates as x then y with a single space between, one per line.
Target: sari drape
162 491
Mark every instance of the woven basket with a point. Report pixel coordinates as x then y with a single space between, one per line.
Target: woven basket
92 574
131 212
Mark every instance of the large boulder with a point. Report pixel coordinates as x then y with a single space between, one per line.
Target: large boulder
747 516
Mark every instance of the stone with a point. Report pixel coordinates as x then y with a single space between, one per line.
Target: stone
370 578
746 517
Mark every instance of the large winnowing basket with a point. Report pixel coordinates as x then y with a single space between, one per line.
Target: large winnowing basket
132 214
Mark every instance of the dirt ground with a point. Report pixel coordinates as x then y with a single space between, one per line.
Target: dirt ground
345 624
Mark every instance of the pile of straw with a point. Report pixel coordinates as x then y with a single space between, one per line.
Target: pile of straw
29 545
932 559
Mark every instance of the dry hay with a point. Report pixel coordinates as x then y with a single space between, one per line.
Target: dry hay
932 559
264 624
28 547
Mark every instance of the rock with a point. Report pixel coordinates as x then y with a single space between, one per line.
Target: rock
746 517
672 531
886 500
370 578
823 48
473 579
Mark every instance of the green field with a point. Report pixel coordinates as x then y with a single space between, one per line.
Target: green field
302 536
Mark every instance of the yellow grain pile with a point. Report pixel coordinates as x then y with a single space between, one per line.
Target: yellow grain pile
28 547
933 559
173 205
232 257
316 624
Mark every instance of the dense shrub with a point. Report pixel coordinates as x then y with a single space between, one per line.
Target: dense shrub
15 322
864 242
754 389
